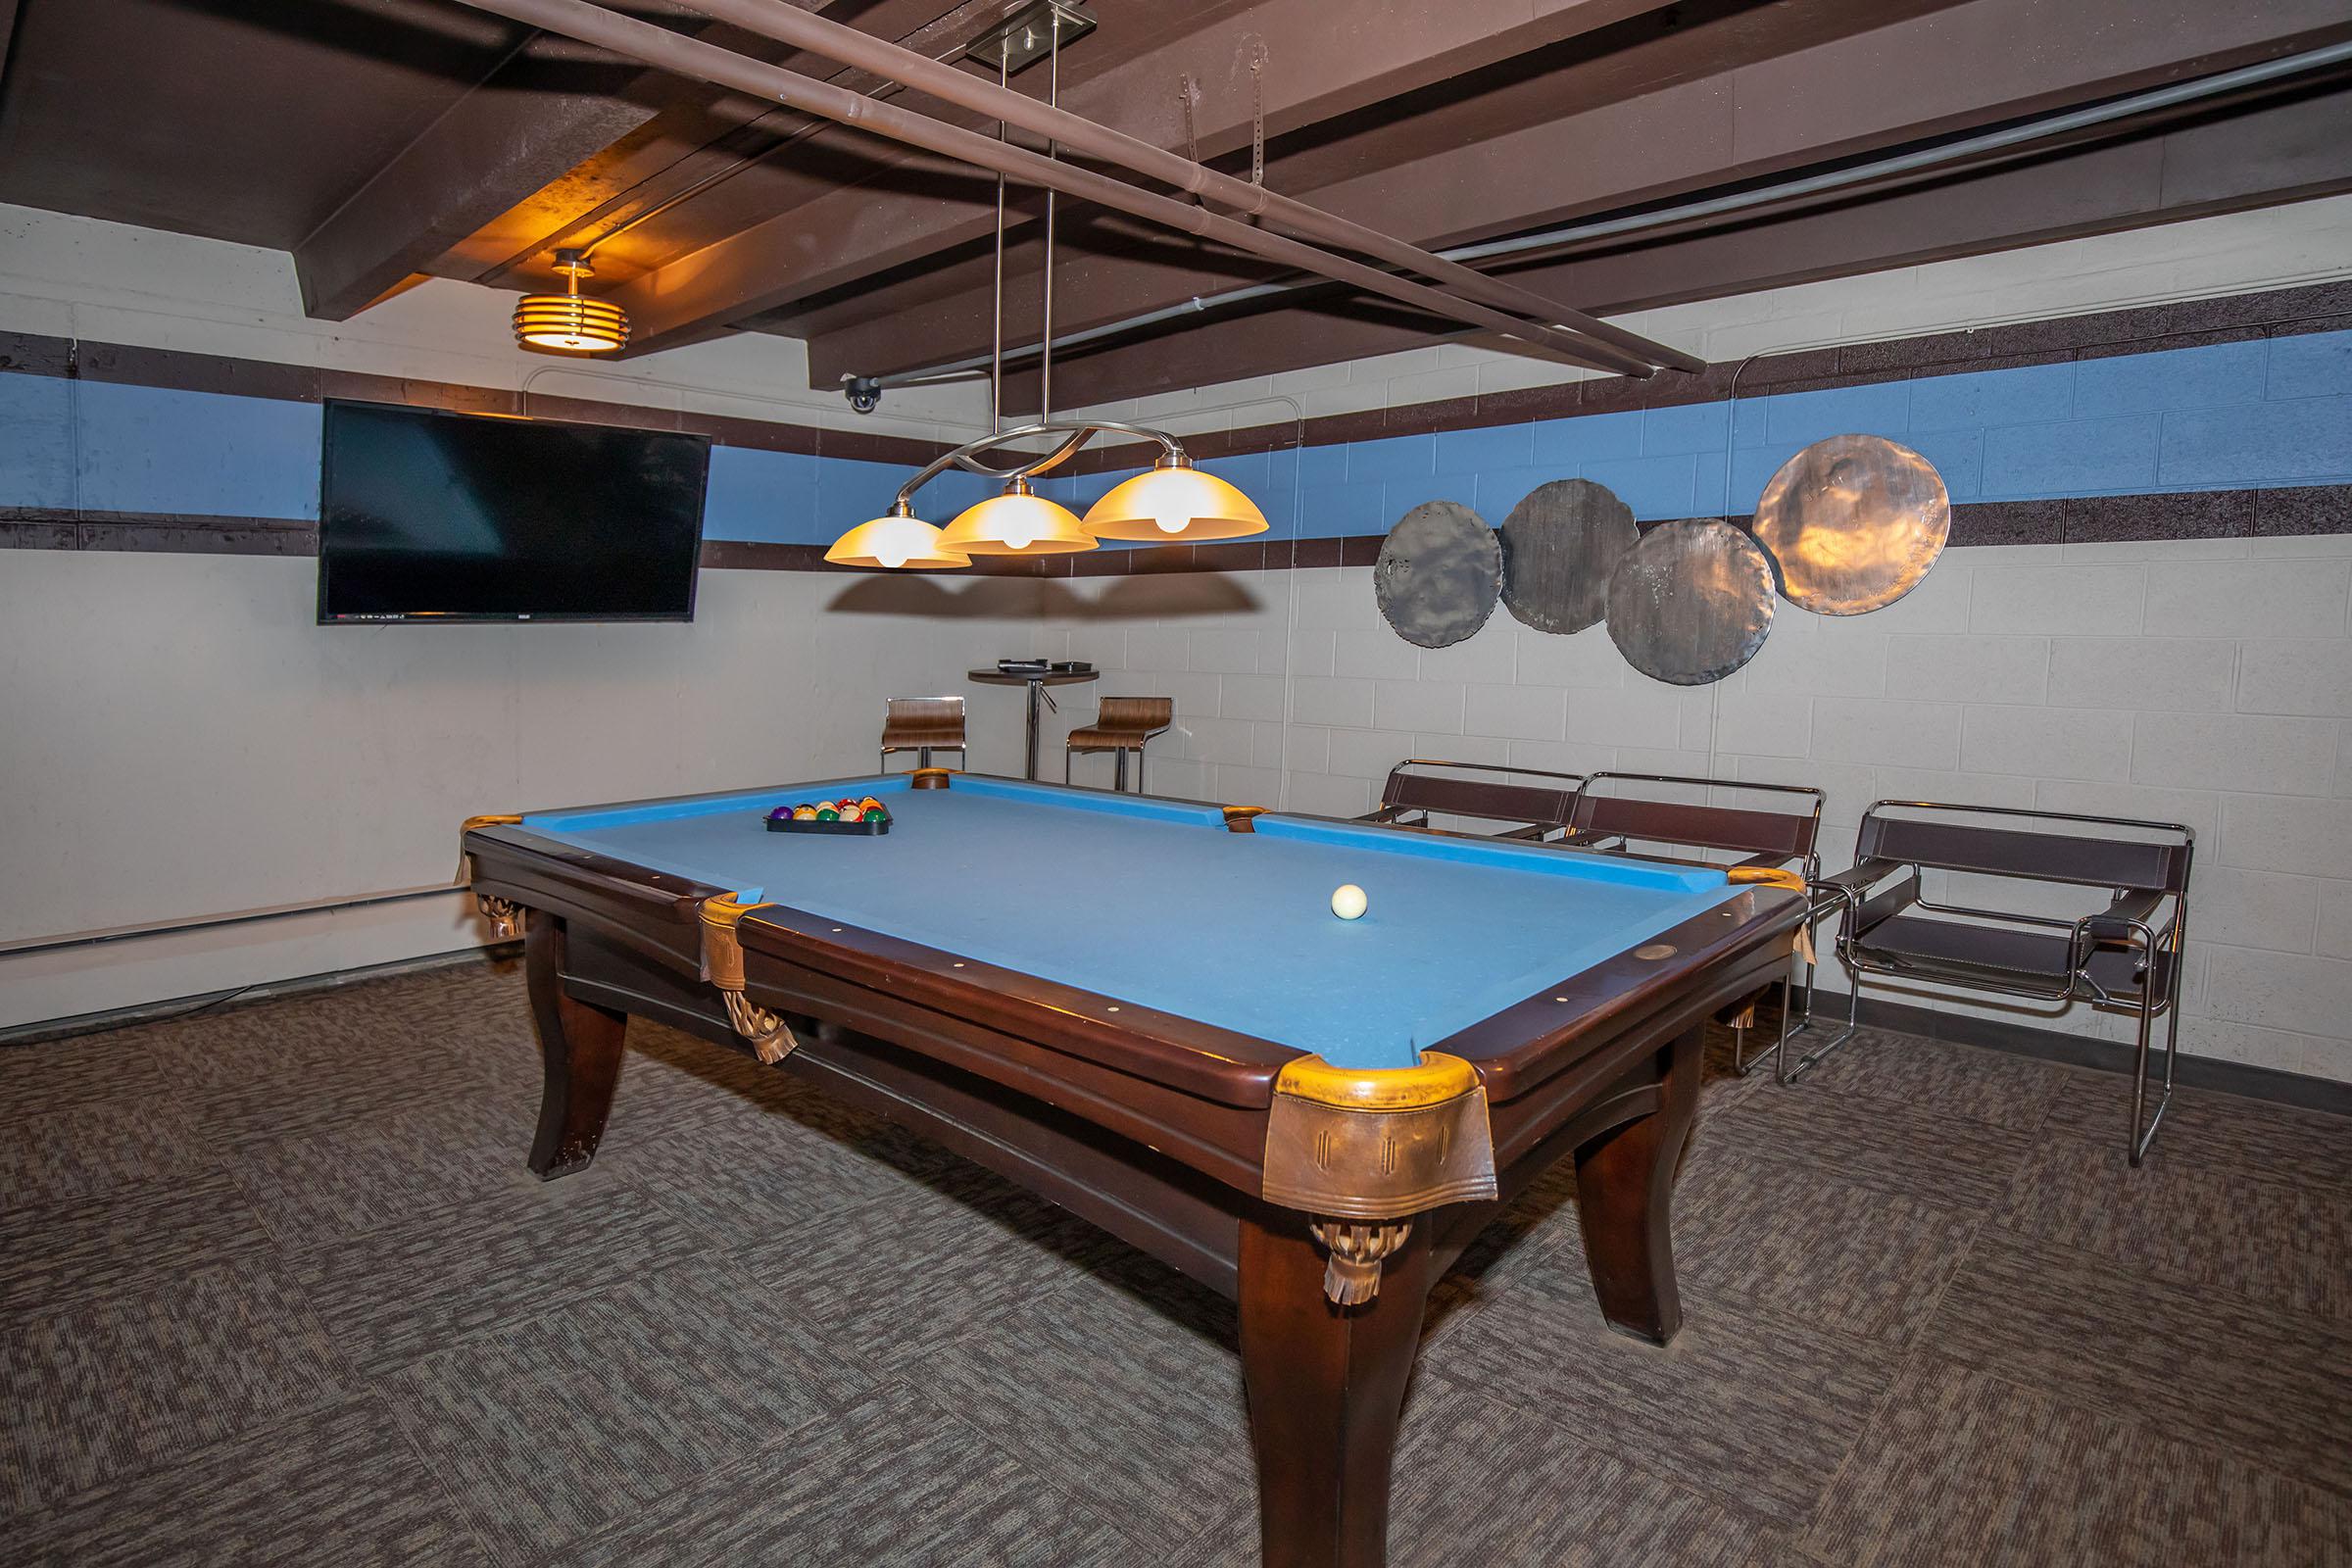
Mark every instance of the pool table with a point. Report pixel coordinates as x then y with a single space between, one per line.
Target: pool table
1146 1011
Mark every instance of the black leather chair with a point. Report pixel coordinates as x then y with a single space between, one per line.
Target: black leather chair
2126 958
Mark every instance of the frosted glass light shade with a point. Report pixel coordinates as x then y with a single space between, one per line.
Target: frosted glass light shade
1174 504
894 543
1016 523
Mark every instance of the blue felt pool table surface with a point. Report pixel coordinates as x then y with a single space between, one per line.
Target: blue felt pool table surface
1155 902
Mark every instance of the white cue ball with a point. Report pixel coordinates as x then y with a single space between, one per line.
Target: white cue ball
1347 901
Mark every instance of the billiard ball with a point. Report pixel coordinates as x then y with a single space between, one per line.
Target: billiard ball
1347 901
803 813
874 814
826 814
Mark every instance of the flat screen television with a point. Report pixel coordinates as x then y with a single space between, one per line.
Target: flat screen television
430 516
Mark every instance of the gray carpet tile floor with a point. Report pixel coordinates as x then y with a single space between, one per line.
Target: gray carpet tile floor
275 1289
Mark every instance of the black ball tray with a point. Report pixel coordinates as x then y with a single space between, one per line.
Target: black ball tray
863 830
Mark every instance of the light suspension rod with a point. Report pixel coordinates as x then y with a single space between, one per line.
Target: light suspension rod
691 56
846 45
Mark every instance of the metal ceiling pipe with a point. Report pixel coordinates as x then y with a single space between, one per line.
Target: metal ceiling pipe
804 29
691 56
1895 166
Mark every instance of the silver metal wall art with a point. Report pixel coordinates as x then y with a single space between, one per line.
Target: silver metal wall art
1560 545
1853 522
1691 602
1847 526
1440 574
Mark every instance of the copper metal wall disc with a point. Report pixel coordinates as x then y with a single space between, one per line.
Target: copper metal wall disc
1559 546
1691 602
1439 574
1853 524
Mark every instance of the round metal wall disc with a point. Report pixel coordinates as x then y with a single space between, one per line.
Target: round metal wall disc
1439 574
1691 602
1559 547
1853 524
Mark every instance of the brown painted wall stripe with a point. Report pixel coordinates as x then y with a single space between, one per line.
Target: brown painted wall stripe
2089 519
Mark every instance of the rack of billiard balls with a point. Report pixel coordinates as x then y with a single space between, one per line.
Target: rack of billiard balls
863 815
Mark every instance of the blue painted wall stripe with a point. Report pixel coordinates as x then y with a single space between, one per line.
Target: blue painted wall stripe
2250 414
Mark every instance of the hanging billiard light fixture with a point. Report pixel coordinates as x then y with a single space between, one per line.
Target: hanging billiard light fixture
1172 502
1018 523
569 321
896 540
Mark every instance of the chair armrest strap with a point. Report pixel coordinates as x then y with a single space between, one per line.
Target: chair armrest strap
1860 877
2115 922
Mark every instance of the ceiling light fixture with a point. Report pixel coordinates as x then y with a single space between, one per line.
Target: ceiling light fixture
569 322
1018 523
1172 502
896 540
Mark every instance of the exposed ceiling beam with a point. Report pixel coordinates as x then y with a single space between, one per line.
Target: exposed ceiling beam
2289 151
507 138
1087 139
610 29
697 161
1629 60
1320 64
1904 83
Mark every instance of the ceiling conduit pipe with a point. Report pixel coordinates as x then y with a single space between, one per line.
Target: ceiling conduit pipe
803 29
703 62
1900 166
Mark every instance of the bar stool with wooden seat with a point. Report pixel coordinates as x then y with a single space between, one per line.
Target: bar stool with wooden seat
1122 724
922 725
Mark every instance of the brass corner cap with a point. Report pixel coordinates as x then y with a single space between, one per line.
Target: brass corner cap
474 822
1242 818
1771 876
1438 1078
930 778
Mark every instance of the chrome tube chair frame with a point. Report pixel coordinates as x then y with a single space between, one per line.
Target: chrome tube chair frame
2151 953
1767 838
1537 812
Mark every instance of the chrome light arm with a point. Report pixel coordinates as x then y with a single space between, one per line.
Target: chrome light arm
1075 433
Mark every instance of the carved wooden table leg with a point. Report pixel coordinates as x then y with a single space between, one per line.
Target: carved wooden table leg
1625 1187
579 1049
1326 1384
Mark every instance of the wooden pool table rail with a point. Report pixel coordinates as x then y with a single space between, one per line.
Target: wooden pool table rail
1155 1127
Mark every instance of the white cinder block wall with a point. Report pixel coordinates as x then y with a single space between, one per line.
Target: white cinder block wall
2208 683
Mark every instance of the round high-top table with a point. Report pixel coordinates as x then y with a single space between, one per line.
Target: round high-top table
1037 681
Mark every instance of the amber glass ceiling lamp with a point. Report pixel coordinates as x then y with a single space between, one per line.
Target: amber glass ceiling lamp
1173 502
1018 523
896 540
571 322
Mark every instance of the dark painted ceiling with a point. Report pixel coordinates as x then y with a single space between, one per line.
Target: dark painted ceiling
379 139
